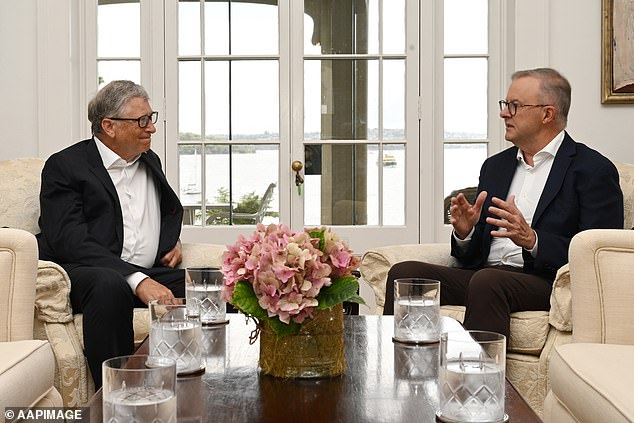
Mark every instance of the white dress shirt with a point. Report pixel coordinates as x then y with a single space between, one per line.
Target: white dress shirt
140 207
527 185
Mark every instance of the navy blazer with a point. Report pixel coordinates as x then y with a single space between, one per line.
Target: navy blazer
582 192
80 218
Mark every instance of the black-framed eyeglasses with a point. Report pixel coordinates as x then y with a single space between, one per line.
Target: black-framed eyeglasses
512 106
143 121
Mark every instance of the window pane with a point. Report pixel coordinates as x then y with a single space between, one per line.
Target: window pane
110 70
311 45
393 163
339 27
235 196
188 28
189 100
337 99
216 27
373 26
466 26
118 29
217 184
462 168
190 181
340 184
255 100
254 28
394 26
466 98
217 100
394 99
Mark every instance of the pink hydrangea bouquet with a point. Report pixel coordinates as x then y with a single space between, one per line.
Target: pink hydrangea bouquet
279 277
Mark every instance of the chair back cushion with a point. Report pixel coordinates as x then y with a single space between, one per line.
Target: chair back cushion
626 180
20 193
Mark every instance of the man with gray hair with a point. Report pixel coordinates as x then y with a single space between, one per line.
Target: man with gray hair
532 199
110 219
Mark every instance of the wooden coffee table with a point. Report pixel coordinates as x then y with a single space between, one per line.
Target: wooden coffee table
384 381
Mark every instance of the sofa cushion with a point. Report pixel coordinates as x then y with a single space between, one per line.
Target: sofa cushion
26 372
20 188
529 329
594 381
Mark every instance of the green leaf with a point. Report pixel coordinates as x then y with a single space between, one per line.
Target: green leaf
245 300
281 328
319 234
342 289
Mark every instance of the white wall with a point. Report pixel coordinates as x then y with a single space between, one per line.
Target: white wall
18 79
39 109
575 50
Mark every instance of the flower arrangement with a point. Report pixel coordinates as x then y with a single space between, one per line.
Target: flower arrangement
279 277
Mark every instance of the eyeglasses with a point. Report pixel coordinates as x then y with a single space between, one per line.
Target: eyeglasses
143 121
512 106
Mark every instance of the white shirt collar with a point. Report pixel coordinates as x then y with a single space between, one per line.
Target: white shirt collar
549 149
111 159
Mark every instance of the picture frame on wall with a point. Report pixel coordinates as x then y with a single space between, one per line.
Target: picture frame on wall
617 73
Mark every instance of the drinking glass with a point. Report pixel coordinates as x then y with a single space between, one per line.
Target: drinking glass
139 388
176 333
471 377
203 285
416 311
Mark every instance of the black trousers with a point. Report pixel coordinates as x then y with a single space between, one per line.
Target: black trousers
107 303
490 294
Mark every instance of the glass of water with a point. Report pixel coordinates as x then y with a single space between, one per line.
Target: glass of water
416 311
471 377
139 388
203 285
176 333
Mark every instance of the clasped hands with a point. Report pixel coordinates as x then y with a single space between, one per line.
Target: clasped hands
510 221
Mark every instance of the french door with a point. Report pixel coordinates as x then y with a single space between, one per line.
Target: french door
316 99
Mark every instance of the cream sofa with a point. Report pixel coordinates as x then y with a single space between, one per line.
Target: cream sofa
54 320
591 378
27 365
533 333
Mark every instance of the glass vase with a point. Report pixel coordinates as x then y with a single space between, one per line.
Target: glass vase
316 351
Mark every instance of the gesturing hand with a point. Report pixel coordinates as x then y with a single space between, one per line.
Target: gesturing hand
464 216
511 219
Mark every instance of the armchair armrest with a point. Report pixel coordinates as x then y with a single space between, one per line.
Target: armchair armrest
602 288
52 294
376 263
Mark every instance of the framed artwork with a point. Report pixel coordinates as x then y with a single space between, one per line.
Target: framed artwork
617 73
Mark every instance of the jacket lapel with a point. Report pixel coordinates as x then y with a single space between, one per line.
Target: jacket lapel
95 165
558 171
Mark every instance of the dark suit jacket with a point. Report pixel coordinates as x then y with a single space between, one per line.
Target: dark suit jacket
582 192
80 217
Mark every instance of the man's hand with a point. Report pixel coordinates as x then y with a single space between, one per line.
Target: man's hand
511 219
173 257
149 289
464 216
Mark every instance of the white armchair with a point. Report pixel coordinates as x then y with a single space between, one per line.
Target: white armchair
54 320
533 333
591 378
23 358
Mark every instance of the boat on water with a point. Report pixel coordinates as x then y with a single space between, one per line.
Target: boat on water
389 160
